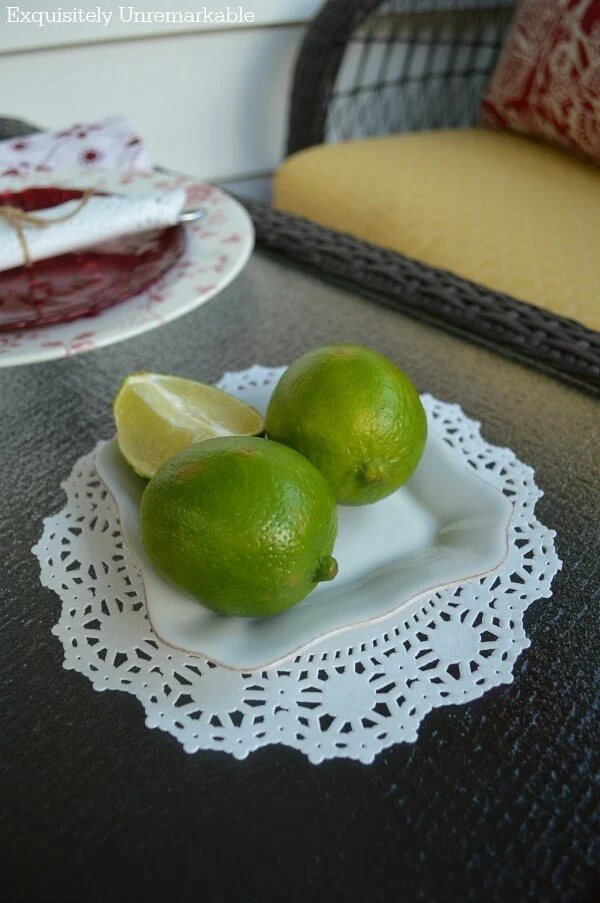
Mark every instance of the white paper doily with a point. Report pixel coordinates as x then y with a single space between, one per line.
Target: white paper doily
334 700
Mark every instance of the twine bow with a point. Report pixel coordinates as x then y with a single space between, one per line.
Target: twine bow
18 219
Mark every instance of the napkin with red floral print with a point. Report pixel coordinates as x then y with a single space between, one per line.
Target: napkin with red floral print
109 144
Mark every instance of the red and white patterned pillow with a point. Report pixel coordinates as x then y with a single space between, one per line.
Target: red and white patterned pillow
547 79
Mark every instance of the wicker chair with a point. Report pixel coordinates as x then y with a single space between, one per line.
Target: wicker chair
368 67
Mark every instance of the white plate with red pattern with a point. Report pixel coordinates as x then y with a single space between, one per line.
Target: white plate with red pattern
217 248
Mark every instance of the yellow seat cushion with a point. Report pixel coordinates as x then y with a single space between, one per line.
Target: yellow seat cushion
505 211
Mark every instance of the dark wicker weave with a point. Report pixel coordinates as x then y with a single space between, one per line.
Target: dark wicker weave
368 67
548 341
15 128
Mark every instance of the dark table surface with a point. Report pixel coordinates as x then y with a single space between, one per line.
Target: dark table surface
497 800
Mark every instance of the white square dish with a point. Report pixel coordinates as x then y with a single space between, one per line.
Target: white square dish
444 527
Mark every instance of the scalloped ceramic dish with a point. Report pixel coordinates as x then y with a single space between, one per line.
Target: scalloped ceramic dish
444 527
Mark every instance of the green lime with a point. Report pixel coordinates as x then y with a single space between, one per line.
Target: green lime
355 415
244 525
158 415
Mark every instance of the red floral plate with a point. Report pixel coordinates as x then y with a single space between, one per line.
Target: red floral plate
216 248
82 283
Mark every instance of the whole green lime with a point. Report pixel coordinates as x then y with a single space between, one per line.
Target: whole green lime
244 525
355 415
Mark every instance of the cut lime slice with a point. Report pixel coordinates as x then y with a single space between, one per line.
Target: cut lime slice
158 415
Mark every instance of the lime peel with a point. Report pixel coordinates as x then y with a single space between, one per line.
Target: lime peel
243 525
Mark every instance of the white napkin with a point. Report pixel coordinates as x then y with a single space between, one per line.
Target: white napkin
100 219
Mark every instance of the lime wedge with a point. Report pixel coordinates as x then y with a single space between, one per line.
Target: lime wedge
157 416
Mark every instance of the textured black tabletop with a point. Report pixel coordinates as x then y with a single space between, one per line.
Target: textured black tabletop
497 800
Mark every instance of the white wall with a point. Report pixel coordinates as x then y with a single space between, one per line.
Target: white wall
210 101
